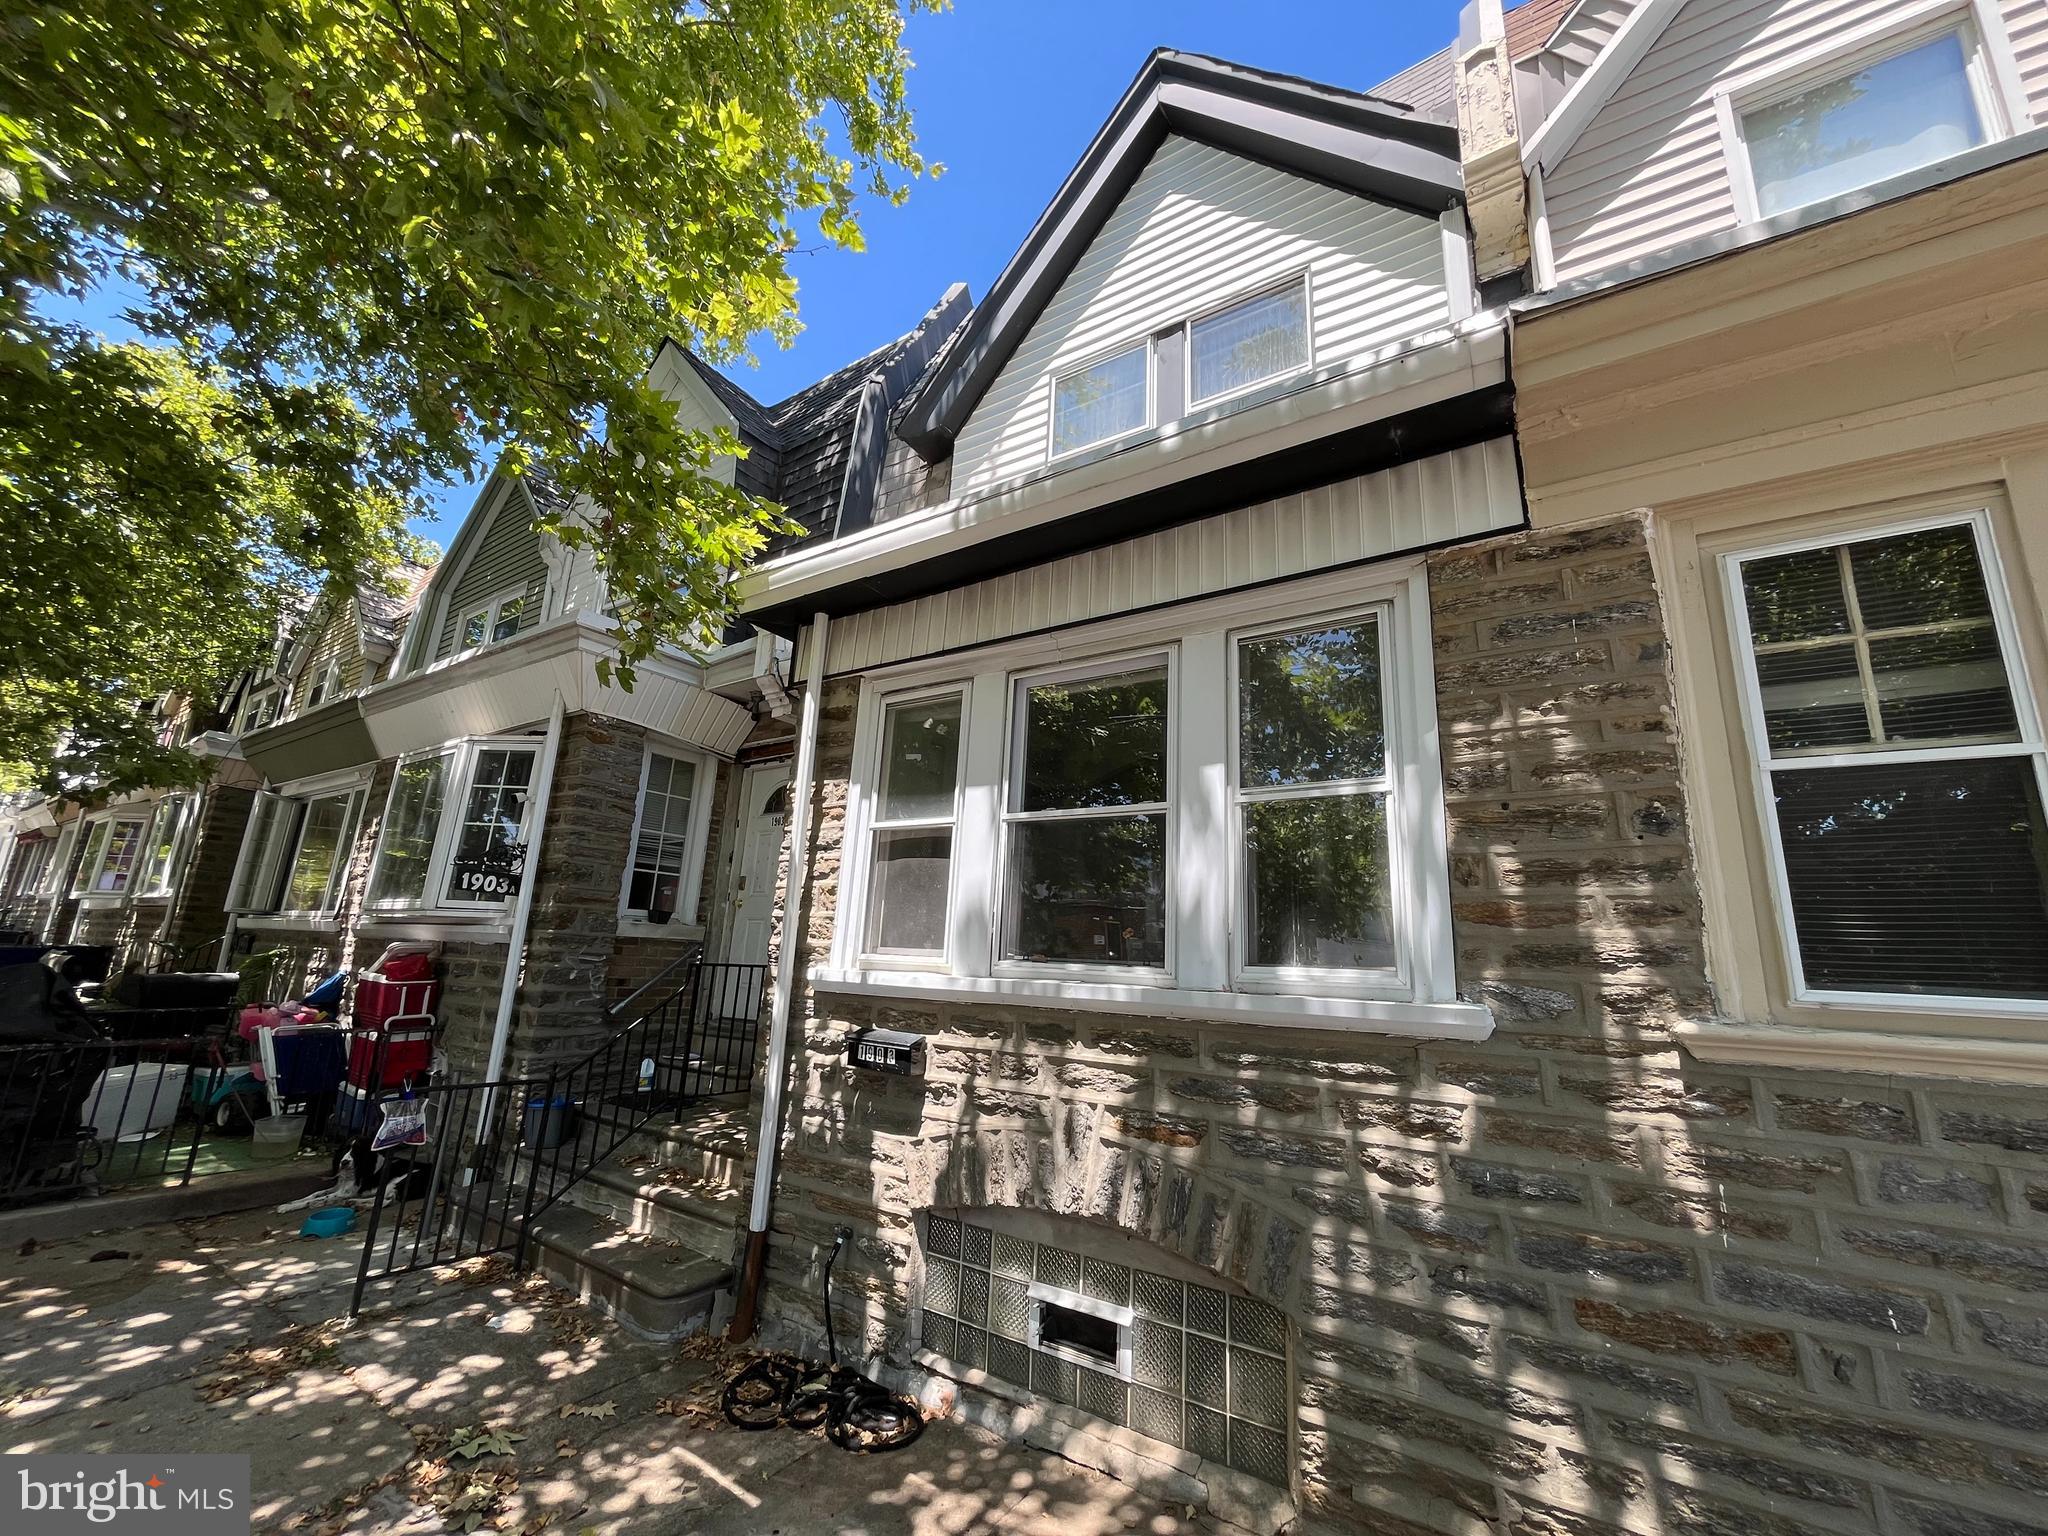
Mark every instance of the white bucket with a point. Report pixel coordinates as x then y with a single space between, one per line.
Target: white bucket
279 1135
131 1103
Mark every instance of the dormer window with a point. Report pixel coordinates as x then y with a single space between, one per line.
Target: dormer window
1896 105
1247 343
1108 399
499 619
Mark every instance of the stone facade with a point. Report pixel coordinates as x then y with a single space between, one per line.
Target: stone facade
1564 1282
199 908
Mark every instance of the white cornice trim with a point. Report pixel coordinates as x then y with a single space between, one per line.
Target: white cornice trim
1869 1052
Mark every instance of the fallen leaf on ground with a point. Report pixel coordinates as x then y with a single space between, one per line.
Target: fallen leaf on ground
603 1410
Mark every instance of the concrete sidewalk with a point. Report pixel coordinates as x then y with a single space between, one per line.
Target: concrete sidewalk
226 1334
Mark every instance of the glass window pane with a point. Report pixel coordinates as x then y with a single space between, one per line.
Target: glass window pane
509 613
88 864
1813 698
124 847
474 628
490 845
1099 741
1105 400
1929 577
319 848
658 853
163 835
920 759
907 897
1887 118
1092 889
1316 883
1309 706
1943 684
1255 340
1918 877
1795 597
413 816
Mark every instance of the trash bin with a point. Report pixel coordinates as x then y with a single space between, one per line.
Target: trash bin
548 1124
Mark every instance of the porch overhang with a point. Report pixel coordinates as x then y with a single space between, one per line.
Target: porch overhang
323 740
513 684
1446 393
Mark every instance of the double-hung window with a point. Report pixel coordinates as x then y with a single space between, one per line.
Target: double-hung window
295 855
669 832
164 846
500 618
1233 809
260 708
455 828
1085 845
113 849
1873 109
1901 768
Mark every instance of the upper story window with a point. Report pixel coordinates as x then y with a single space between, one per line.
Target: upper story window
499 619
1889 107
259 708
1248 343
1198 361
1106 400
326 685
455 828
1237 802
1901 766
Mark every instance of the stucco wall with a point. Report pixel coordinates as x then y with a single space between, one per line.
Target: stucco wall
1562 1283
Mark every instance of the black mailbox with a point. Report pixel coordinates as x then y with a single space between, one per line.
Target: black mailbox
900 1051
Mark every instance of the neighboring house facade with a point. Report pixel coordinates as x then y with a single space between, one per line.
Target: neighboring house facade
1461 984
474 784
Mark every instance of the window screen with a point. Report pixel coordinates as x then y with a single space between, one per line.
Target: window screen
1905 793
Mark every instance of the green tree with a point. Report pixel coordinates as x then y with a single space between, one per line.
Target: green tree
376 240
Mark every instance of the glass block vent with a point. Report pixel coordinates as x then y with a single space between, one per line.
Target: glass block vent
1208 1369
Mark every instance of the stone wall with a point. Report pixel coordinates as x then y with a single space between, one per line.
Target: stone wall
199 905
1565 1282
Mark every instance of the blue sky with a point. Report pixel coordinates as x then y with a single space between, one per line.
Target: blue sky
1007 95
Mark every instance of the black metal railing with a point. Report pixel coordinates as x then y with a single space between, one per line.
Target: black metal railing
499 1154
82 1115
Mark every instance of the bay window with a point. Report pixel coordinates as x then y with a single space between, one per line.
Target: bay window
1900 767
669 832
113 848
294 860
1229 809
455 828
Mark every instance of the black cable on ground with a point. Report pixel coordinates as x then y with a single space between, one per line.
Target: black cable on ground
857 1414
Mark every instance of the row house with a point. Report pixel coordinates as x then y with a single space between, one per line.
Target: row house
1429 777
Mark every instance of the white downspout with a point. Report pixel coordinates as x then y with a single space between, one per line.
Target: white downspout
768 1135
522 914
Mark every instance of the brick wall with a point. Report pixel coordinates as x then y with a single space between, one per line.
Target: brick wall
199 906
1565 1282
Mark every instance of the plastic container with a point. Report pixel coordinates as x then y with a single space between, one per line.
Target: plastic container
329 1221
378 1000
136 1102
278 1135
547 1125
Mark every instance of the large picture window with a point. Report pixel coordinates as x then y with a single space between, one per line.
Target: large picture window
455 828
1900 764
1231 810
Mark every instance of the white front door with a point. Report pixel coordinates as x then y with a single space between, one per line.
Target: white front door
764 810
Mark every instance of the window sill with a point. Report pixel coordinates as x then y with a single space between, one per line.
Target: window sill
1430 1021
633 927
1867 1051
289 922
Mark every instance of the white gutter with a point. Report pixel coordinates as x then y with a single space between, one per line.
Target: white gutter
768 1136
522 914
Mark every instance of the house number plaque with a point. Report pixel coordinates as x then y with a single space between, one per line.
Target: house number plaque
897 1051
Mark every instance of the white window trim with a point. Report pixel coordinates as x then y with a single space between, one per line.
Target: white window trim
1203 911
873 825
492 609
270 691
462 769
54 886
684 923
354 782
1141 344
187 818
1299 276
1761 764
84 878
1993 73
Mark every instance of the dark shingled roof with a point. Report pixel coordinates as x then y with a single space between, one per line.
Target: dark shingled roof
1430 86
384 612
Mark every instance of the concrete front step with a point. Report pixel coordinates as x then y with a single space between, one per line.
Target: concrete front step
712 1144
662 1290
648 1200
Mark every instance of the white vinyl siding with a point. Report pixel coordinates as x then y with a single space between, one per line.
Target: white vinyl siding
1649 171
505 559
1199 228
1459 494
